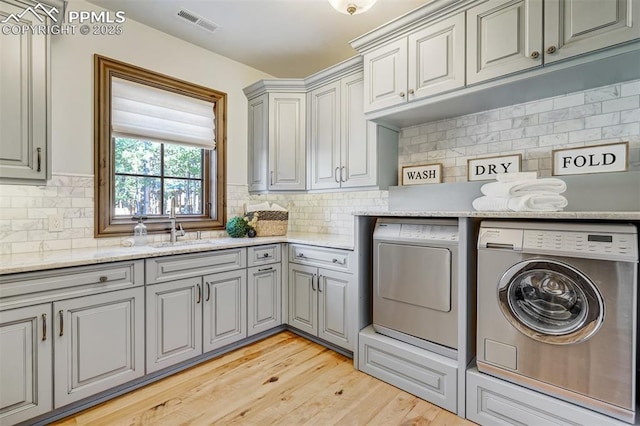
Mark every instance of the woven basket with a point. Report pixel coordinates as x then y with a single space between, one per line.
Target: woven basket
270 222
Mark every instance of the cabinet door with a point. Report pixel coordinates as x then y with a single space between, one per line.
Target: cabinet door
263 300
25 363
303 298
287 141
24 68
574 27
324 157
98 343
225 309
174 322
359 154
385 76
333 307
437 58
258 143
503 37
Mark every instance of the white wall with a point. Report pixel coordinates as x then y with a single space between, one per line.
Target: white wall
72 87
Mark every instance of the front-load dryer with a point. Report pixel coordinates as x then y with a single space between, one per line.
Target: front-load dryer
557 310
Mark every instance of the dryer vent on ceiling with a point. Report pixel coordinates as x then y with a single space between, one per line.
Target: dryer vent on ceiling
197 20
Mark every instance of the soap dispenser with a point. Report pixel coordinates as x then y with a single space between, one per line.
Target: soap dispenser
140 232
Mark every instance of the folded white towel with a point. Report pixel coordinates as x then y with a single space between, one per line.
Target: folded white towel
491 204
260 206
277 207
524 187
510 177
537 203
524 203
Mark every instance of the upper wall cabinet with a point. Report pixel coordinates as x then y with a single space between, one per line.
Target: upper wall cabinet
424 63
504 37
277 135
25 102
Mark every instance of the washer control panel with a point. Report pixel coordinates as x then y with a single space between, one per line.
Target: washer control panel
580 242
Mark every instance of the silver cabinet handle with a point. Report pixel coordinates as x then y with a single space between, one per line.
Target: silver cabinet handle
338 261
551 49
208 291
411 91
535 54
266 269
39 158
300 254
319 283
401 94
343 169
313 278
199 293
61 315
44 327
335 175
271 177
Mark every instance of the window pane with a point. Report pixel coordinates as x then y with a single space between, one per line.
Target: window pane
188 195
137 196
182 161
137 157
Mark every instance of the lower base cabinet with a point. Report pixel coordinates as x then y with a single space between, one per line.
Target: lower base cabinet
264 298
425 374
491 401
25 363
225 309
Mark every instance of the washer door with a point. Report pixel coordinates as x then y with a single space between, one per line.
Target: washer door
551 301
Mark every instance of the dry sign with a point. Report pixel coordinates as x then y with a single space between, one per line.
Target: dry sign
487 168
591 159
426 173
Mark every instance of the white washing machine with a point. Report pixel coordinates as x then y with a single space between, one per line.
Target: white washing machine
557 310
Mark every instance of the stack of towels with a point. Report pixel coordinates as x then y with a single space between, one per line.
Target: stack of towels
522 192
264 206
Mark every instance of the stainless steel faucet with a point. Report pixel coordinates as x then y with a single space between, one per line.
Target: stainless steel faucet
175 233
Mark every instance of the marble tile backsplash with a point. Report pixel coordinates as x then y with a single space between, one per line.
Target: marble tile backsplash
603 115
533 129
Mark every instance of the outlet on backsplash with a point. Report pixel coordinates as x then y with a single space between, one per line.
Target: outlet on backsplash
56 223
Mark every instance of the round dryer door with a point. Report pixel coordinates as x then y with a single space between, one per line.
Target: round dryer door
551 301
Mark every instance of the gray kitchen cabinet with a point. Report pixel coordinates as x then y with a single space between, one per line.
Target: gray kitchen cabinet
224 309
320 297
264 297
504 37
26 378
258 147
25 123
98 343
423 63
346 150
174 322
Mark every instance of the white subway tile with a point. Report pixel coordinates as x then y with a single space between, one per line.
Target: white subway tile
512 111
621 130
631 88
542 129
410 132
496 126
569 125
629 102
585 135
446 125
553 140
585 110
477 129
27 224
602 94
602 120
568 101
539 106
527 120
629 116
512 134
13 213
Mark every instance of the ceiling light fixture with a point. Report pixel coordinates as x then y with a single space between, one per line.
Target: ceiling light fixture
352 7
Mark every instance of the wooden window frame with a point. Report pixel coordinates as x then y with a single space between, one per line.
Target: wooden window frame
106 225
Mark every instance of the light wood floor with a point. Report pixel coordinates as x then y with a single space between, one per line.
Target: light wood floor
284 379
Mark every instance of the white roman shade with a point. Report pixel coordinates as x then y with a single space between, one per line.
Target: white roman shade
144 112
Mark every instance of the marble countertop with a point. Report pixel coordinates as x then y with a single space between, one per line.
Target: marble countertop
628 215
28 262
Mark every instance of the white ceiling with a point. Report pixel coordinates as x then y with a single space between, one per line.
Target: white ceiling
284 38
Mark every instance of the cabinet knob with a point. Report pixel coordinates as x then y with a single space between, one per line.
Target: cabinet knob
535 54
401 94
103 278
265 255
411 91
300 254
551 49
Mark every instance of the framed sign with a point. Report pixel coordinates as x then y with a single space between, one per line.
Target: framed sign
607 158
424 173
487 168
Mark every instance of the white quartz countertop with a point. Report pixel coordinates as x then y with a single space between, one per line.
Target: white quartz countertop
36 261
628 215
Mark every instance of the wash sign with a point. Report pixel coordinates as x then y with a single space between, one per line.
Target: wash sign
591 159
488 168
418 175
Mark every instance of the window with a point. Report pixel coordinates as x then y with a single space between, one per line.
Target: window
157 138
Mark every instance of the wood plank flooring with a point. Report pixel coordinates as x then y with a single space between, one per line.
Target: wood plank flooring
284 379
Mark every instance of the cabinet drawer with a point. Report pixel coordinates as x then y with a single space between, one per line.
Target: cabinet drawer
262 255
168 268
321 257
429 376
45 286
496 402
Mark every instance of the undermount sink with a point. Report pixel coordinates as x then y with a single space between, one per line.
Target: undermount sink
179 243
